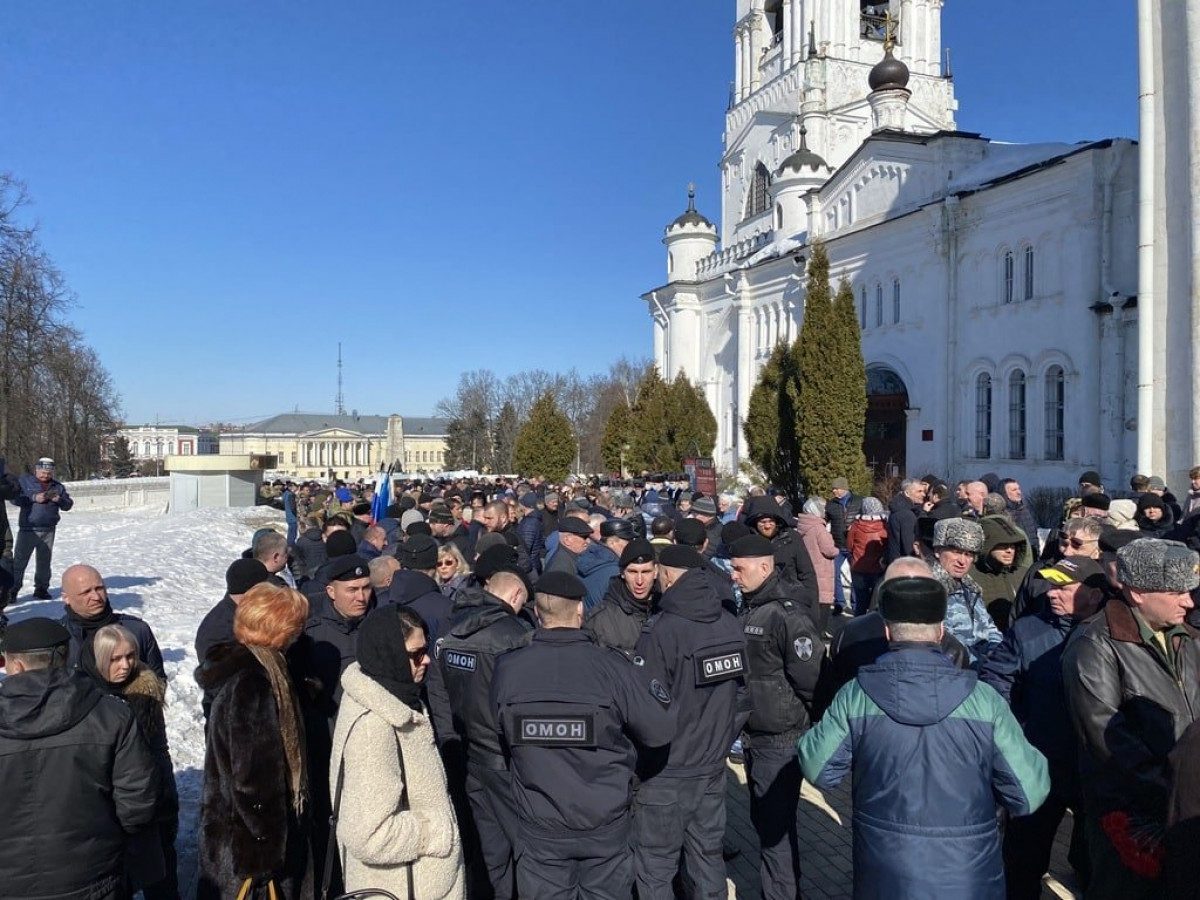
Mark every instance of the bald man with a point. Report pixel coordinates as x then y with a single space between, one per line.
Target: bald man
88 610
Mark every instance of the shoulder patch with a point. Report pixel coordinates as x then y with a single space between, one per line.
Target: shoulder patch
755 630
803 647
457 659
660 693
437 647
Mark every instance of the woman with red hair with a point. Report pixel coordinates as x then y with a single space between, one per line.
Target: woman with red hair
254 817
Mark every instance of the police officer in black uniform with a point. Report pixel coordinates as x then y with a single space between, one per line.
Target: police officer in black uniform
696 648
784 654
485 623
617 620
567 710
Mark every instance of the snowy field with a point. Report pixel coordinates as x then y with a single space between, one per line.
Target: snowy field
168 570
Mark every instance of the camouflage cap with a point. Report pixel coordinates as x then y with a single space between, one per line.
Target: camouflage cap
1154 565
960 534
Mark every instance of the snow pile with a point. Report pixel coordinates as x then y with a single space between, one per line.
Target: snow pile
168 570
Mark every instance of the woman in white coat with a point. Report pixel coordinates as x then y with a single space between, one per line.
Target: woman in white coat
395 826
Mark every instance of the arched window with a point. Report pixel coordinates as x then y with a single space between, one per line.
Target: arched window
759 199
878 305
1009 272
1016 415
779 216
670 263
1028 273
1055 409
983 416
895 301
862 307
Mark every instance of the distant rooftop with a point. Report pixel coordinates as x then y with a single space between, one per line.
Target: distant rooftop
301 423
184 429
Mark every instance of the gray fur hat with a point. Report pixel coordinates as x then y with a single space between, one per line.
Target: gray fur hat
1156 565
961 534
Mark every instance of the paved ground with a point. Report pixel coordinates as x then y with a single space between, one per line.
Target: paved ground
825 857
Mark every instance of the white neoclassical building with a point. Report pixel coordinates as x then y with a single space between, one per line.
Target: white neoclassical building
996 283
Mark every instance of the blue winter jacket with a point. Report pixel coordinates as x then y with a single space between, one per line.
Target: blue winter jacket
1026 670
596 565
529 530
40 516
932 751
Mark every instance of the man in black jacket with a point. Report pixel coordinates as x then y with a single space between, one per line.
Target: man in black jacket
414 585
904 510
696 649
88 610
617 620
784 655
791 556
843 508
216 627
78 776
485 622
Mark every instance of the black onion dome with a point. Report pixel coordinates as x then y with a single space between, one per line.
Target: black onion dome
888 74
803 158
690 217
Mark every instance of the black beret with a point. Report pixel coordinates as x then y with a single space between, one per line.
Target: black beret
916 600
440 516
674 556
751 545
572 525
1113 539
361 508
621 528
340 543
347 568
418 528
562 584
498 558
1097 501
35 634
638 550
690 533
731 531
1091 477
419 552
244 574
425 498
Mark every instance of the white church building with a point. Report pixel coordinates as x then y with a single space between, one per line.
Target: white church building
996 283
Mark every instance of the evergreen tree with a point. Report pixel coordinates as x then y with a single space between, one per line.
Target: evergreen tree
616 438
847 358
545 444
504 437
832 386
691 426
468 442
649 440
123 462
771 421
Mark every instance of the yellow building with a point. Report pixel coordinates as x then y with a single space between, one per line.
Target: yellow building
321 446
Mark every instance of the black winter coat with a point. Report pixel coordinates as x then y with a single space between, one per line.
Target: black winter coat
78 779
794 563
459 682
902 527
326 648
460 538
784 654
529 530
308 554
617 620
421 594
696 648
839 517
248 826
84 630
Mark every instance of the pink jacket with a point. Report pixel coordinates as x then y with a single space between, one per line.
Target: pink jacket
821 550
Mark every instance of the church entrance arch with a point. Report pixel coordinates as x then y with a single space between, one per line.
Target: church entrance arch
885 435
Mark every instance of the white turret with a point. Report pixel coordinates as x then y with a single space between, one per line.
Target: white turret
801 174
689 239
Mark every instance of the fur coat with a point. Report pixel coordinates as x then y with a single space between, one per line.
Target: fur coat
248 827
379 830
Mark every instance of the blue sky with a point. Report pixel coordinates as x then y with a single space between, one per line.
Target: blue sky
230 187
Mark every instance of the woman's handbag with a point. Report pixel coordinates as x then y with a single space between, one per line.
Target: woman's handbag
331 849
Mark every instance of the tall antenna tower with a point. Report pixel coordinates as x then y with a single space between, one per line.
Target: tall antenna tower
339 403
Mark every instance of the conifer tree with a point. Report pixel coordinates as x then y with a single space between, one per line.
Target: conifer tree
504 435
832 386
691 426
847 359
616 438
545 444
649 441
771 421
123 462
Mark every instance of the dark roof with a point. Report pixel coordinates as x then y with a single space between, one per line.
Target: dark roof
301 423
690 217
889 73
803 157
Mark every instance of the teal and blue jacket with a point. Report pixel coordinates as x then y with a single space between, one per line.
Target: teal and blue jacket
932 750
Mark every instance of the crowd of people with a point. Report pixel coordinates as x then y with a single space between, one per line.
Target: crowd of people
517 689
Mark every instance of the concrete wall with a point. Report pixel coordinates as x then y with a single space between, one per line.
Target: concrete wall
119 493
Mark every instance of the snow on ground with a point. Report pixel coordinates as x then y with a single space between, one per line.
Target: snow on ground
168 570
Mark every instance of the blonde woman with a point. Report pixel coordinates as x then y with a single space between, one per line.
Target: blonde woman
452 569
395 826
150 856
254 815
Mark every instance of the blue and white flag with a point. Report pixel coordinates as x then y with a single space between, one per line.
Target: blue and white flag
383 495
